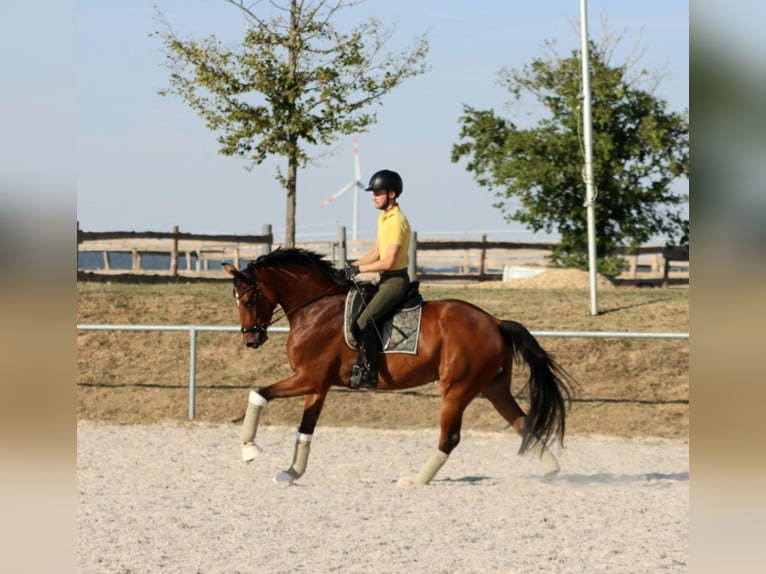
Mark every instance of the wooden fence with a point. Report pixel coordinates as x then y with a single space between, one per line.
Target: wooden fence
197 257
195 250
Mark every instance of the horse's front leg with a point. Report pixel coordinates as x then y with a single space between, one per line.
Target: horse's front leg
255 404
311 411
296 385
293 386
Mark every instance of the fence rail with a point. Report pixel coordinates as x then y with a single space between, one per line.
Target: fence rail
191 255
194 329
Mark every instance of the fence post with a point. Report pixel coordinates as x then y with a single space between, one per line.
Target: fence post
192 371
174 254
267 231
412 268
483 260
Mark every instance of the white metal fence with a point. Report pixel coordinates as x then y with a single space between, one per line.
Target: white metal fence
194 329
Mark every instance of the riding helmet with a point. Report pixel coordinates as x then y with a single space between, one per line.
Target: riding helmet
387 180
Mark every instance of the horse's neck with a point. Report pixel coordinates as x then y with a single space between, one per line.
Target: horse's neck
292 291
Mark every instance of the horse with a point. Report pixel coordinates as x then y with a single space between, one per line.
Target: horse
466 349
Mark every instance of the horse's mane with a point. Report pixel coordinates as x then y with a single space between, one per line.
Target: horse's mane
301 259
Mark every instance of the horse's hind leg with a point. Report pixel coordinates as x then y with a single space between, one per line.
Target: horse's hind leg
450 421
499 394
311 411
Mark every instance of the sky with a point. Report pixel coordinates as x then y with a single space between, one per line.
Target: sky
147 163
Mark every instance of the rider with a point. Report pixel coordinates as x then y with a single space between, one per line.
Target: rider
389 256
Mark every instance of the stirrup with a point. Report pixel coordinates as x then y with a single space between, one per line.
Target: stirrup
361 377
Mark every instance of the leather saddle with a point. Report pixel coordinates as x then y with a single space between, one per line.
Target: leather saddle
413 298
400 328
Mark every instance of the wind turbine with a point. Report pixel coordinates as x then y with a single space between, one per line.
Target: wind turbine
356 185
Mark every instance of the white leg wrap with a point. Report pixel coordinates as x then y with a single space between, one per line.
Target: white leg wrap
547 460
257 399
428 471
255 404
300 460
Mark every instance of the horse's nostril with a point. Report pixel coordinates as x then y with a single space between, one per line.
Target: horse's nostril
251 344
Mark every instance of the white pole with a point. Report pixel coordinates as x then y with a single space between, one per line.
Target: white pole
588 136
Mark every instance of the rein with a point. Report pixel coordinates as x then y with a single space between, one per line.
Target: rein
266 324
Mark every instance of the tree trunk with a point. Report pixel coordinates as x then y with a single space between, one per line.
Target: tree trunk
292 159
292 171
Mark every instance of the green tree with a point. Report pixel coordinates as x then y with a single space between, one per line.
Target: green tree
639 149
294 82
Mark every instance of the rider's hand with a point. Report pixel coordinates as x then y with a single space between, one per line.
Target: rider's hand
351 271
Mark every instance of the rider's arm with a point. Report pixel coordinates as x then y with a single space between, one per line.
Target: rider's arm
372 255
381 264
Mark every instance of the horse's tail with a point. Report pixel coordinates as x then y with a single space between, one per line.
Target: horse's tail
550 387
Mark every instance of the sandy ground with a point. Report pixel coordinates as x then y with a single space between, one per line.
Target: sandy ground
177 498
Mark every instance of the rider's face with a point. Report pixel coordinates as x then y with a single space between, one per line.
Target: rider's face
379 197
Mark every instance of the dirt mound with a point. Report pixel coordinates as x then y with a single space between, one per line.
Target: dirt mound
559 279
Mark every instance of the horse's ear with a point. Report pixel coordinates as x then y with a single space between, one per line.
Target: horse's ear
231 270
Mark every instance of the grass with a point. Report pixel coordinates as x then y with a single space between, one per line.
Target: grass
630 387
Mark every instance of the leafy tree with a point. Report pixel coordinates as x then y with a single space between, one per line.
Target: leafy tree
639 149
295 81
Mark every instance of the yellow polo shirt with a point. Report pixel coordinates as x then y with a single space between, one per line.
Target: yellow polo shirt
394 229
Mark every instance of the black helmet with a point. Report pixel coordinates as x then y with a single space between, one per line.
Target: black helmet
386 179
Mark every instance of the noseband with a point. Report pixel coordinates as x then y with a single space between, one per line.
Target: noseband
256 329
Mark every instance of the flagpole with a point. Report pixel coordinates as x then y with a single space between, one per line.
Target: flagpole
588 144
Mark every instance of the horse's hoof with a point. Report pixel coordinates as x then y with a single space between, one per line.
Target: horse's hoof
250 452
550 475
284 478
406 482
549 463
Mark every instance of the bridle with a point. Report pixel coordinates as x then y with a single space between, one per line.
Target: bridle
262 327
253 302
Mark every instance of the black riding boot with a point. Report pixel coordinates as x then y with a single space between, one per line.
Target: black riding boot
365 372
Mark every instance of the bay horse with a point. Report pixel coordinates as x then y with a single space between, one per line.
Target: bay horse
466 349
